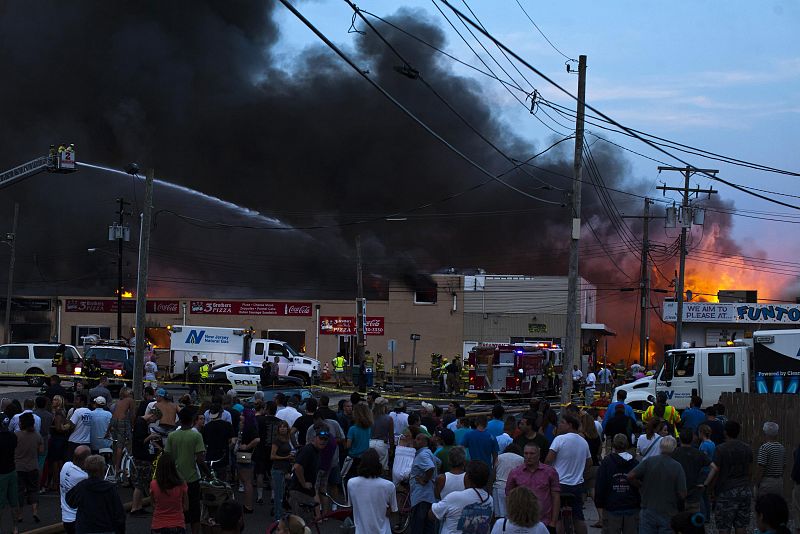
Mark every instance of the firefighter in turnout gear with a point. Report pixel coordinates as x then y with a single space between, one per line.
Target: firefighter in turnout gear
443 376
453 370
465 375
380 371
338 369
550 373
92 371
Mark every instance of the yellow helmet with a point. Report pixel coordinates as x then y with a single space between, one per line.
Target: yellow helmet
444 359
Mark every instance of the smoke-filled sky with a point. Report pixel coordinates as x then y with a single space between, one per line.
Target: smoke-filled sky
235 100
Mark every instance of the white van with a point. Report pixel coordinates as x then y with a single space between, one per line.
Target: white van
33 360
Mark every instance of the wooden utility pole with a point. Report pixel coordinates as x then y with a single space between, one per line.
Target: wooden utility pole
572 342
644 282
686 223
141 285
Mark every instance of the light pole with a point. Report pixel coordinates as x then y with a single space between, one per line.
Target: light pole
11 241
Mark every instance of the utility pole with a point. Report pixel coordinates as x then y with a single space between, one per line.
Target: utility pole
120 235
686 218
11 239
141 285
572 341
644 282
361 314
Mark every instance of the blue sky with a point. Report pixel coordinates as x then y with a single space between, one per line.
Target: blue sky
722 76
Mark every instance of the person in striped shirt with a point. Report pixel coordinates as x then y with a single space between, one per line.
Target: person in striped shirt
771 462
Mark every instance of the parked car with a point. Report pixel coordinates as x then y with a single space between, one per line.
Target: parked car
32 362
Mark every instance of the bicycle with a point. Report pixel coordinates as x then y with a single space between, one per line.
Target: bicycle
342 513
402 517
213 492
565 516
126 466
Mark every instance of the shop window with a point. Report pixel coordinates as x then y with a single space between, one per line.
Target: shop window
426 296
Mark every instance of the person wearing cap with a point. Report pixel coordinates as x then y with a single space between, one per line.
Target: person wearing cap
427 417
305 468
100 423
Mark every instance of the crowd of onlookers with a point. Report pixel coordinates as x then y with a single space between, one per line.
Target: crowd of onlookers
450 471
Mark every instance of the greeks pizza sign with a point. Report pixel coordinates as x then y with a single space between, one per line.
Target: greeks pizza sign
241 307
346 326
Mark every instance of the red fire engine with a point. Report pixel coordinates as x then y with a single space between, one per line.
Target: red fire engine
508 369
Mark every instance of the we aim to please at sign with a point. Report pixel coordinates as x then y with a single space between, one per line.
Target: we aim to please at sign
733 312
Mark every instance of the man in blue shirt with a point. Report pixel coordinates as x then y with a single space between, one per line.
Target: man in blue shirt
621 396
423 473
495 426
481 444
693 417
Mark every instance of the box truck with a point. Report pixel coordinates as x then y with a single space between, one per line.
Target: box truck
237 345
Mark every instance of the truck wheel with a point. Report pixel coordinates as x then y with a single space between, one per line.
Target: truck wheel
302 376
37 380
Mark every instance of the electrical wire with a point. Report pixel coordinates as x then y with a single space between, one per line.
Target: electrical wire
554 47
634 134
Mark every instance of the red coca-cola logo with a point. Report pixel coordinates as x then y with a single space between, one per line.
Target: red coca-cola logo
374 322
167 307
299 310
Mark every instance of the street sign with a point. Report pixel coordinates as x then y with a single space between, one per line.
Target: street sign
415 337
392 345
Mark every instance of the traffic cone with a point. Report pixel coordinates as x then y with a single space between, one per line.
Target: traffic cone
326 372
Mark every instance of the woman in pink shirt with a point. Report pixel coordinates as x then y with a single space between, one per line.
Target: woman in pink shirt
170 497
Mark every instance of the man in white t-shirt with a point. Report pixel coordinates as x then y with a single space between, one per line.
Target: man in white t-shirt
81 424
469 510
577 374
570 456
399 417
285 411
591 380
372 496
72 473
506 462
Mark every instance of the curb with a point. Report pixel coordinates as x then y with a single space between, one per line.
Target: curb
57 528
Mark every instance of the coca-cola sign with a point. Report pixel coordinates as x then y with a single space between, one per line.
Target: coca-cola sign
239 307
128 306
346 326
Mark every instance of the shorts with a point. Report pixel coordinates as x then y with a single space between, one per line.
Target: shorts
192 515
142 474
121 432
577 501
8 490
28 486
733 508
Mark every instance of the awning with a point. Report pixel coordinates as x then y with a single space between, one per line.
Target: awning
597 328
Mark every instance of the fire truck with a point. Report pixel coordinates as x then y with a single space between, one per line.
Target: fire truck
509 369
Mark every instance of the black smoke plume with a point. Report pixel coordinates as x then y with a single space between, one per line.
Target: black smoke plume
199 91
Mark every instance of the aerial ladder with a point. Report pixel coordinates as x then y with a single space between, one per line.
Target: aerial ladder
61 160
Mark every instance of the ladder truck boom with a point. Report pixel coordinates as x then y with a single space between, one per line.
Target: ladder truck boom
61 161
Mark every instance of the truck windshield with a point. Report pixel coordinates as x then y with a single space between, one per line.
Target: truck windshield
291 350
107 354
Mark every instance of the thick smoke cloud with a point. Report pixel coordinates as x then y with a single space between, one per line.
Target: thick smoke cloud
193 89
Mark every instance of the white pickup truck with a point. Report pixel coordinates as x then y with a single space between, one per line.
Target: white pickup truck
237 345
767 363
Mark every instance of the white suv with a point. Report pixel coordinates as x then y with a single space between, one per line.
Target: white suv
31 362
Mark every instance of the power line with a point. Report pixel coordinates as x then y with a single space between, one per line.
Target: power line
633 133
554 47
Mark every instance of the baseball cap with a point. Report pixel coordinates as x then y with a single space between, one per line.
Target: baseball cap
100 400
428 406
323 433
161 392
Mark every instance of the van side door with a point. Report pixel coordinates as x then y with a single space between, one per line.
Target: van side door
276 349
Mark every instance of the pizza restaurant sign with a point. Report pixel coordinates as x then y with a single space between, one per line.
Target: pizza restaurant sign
110 306
240 307
733 312
346 326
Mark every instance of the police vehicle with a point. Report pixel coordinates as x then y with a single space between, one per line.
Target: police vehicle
244 378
